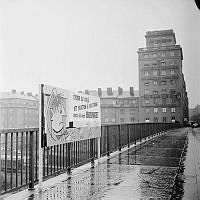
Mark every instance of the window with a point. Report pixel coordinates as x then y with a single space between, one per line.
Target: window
146 73
147 111
155 110
164 90
146 92
163 82
163 72
155 100
106 111
173 100
146 101
106 119
147 119
132 111
155 72
163 63
146 55
163 54
173 110
114 102
172 72
154 55
122 111
164 101
146 84
164 119
155 82
155 92
113 119
132 119
121 119
155 119
164 110
146 65
172 82
171 62
154 64
171 53
173 119
173 92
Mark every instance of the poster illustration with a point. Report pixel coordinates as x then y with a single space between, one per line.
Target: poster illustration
70 116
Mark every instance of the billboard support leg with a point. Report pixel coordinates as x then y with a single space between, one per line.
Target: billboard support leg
99 149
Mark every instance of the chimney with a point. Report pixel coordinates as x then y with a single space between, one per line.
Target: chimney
86 91
131 91
120 91
22 92
99 92
109 91
13 91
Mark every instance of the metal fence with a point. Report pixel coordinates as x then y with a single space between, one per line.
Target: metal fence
19 151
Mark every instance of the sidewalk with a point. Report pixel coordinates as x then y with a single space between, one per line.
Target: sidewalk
192 167
137 173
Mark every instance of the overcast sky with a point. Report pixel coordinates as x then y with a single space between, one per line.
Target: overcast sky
87 44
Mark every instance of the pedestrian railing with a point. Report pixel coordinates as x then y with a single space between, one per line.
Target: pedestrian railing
19 151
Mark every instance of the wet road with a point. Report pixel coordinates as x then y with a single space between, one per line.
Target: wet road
154 171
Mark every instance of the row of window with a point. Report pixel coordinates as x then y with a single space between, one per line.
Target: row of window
117 102
159 72
122 120
122 111
163 63
160 54
155 110
172 82
162 119
163 101
155 92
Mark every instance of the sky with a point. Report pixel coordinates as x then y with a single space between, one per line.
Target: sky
90 44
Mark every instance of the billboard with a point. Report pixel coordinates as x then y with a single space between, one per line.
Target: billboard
69 116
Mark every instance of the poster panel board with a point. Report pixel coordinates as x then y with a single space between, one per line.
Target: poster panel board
70 116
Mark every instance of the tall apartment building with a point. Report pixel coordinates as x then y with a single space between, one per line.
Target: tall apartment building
162 90
18 110
118 106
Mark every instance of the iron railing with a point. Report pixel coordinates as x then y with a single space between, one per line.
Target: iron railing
19 151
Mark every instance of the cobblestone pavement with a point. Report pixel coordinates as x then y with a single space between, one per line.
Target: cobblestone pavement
150 172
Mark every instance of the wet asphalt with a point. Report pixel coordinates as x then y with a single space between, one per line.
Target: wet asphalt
166 167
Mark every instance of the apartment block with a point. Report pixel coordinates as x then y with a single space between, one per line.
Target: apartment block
162 89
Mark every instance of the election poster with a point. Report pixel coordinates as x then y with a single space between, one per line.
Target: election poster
69 116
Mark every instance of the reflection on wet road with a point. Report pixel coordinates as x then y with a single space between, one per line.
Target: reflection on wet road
149 172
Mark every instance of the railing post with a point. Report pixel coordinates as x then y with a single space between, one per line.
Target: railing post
31 161
119 131
141 129
128 135
108 143
92 151
68 157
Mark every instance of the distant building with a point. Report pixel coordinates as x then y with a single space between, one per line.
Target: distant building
118 106
162 90
18 110
195 110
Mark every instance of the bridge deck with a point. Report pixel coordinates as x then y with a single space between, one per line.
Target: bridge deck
165 167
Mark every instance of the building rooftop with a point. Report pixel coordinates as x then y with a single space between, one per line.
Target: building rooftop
17 95
160 32
114 94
